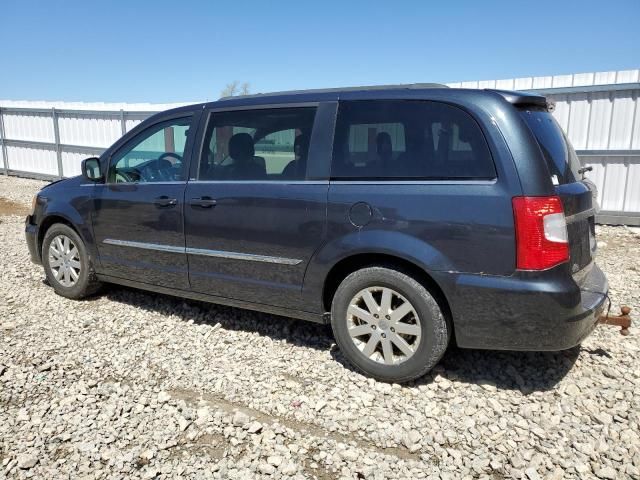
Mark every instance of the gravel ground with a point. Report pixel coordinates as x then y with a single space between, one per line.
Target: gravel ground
130 384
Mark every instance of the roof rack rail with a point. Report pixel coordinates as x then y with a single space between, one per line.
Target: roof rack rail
413 86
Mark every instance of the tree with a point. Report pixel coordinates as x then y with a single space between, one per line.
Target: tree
235 88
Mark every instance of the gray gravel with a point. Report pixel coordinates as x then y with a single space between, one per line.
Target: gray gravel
134 385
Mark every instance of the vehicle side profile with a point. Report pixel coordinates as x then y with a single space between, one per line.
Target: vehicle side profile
408 217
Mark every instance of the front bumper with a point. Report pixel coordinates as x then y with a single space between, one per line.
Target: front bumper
529 311
31 234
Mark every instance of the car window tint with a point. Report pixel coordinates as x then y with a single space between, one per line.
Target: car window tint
561 158
262 144
408 140
155 155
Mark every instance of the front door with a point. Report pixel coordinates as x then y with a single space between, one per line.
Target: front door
138 211
253 219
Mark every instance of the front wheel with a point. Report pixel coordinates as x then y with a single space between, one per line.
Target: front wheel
388 325
66 263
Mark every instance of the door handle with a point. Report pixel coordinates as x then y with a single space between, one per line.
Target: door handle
204 202
165 201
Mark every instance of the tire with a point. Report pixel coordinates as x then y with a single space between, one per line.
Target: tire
424 328
75 285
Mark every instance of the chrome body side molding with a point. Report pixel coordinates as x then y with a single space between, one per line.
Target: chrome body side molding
203 251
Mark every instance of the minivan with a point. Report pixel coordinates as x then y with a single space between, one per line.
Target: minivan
408 217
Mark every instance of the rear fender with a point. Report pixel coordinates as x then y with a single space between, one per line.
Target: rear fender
381 242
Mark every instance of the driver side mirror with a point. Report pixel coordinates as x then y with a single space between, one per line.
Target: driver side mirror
91 169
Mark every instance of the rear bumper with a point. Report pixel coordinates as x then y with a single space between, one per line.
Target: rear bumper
528 311
31 234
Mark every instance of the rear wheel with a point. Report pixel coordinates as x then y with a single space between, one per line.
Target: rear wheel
388 325
66 263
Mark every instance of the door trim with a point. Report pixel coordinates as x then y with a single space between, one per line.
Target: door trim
204 252
144 245
243 256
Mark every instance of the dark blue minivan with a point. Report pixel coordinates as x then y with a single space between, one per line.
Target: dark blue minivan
408 217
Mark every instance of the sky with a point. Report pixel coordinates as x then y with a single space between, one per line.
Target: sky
186 50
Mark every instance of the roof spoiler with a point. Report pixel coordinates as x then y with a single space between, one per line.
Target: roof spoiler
523 99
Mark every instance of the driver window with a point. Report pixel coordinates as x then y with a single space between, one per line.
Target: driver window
153 156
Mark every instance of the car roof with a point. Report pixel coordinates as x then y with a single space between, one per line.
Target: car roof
423 91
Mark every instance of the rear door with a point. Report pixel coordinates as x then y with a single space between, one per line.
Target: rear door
255 212
578 195
138 211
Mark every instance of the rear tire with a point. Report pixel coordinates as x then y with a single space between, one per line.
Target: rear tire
66 263
388 325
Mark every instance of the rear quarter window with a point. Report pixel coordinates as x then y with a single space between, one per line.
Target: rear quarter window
409 140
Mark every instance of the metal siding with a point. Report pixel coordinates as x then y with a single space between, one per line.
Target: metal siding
635 136
561 112
603 78
599 121
622 121
523 83
28 126
130 124
628 76
542 82
632 198
91 130
597 175
505 84
36 160
579 120
560 81
582 79
613 189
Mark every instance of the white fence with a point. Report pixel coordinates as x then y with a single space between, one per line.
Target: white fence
599 112
49 142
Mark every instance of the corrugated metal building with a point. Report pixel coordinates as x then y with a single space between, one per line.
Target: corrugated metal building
599 111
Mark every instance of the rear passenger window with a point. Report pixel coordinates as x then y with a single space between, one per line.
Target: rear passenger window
260 144
408 140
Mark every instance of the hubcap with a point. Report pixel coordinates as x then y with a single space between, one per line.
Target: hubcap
383 325
64 261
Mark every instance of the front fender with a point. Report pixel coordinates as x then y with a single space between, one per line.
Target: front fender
76 213
382 242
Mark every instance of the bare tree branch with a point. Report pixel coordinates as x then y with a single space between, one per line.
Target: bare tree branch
230 89
234 88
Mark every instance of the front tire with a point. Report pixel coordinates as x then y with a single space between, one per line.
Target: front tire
66 263
388 325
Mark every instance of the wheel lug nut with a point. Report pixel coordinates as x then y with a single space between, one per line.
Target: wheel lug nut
373 326
375 315
384 335
393 330
387 317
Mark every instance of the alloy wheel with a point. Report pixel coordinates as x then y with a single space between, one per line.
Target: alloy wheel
64 260
383 325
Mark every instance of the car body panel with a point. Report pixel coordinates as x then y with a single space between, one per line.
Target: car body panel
256 241
134 236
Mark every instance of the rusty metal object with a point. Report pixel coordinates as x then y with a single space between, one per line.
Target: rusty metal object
623 320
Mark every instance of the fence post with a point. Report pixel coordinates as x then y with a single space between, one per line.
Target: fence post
123 124
5 159
56 134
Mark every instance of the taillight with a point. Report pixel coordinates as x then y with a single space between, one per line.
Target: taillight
541 232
